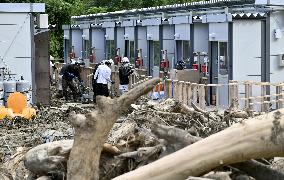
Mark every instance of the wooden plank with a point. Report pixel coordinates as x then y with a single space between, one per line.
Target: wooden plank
279 104
184 92
201 95
194 92
180 91
263 99
175 89
189 93
167 88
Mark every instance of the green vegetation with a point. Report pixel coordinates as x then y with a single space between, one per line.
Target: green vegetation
60 11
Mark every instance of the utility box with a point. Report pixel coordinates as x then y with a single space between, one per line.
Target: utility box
43 21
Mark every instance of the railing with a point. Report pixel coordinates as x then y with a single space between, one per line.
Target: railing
245 95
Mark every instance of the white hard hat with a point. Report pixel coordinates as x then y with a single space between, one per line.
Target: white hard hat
103 62
73 61
111 61
125 60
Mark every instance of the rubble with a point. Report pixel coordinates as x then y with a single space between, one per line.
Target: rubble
132 134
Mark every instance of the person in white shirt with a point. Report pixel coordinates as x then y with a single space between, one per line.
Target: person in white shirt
102 78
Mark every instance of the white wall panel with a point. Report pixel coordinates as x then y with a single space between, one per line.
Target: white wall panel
77 41
218 31
247 53
109 34
182 32
153 33
16 44
129 33
201 38
98 41
142 44
276 47
120 42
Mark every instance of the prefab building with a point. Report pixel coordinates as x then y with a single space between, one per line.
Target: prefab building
24 45
224 39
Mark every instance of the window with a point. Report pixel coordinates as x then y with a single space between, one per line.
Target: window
157 53
132 52
223 58
185 48
110 49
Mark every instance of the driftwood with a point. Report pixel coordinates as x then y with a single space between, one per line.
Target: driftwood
178 138
52 157
144 154
92 131
175 138
259 137
258 170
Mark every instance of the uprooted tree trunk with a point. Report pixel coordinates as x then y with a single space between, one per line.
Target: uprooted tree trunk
177 139
259 137
91 131
52 157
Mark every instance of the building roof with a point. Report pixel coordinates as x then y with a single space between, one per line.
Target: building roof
22 7
193 6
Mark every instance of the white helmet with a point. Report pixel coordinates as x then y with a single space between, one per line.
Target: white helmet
103 62
111 61
125 60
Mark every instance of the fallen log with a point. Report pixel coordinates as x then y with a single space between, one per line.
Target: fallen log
258 170
255 138
52 157
92 131
178 138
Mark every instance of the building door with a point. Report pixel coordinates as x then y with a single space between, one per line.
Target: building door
110 49
130 51
223 75
219 71
182 54
154 58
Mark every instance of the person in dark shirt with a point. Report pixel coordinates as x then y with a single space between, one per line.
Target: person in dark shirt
69 72
124 72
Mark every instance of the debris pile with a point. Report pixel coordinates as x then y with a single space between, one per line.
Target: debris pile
148 132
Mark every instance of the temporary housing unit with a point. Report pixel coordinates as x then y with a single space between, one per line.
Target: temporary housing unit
24 56
224 39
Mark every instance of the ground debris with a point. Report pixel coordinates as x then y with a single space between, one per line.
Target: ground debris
131 133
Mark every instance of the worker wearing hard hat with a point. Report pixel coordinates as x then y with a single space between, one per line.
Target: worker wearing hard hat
102 78
124 72
94 79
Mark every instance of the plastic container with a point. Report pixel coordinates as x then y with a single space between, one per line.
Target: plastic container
9 87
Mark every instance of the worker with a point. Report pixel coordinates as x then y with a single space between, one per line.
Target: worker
102 77
94 80
69 72
52 69
124 72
